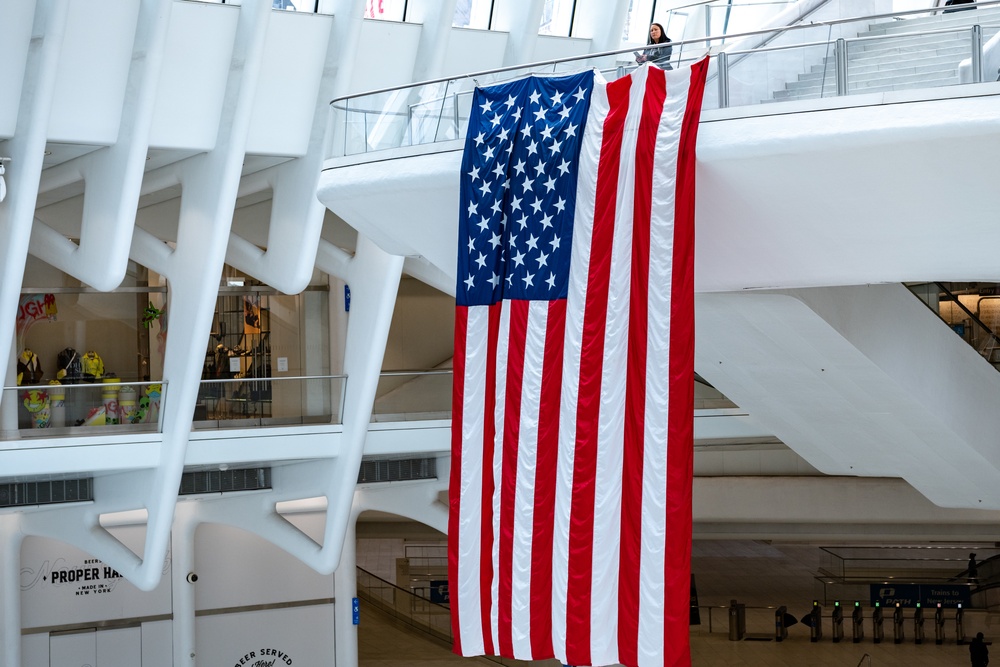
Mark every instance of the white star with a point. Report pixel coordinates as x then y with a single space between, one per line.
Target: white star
510 280
579 94
481 261
504 134
495 120
547 132
479 138
550 184
540 114
511 101
513 240
526 131
518 258
509 149
495 240
484 224
472 244
489 153
537 205
535 96
523 221
555 146
470 281
472 209
528 183
571 130
498 170
515 204
539 168
543 260
557 98
474 174
496 206
495 280
560 204
564 112
485 187
554 243
528 278
517 113
564 167
487 106
519 167
532 242
532 147
552 281
546 221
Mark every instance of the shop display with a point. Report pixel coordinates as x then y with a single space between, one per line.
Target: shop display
240 348
29 368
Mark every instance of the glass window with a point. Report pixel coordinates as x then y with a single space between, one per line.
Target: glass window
557 17
386 10
473 14
640 13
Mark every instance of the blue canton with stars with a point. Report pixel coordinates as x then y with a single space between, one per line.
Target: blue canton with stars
518 189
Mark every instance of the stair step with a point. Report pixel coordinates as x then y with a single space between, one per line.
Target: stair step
983 16
883 75
876 65
815 92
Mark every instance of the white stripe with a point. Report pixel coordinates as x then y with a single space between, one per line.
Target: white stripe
527 455
470 510
500 412
654 482
583 224
608 499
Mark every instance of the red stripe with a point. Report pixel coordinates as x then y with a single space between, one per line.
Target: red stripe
680 422
581 528
635 384
545 483
486 527
508 475
455 483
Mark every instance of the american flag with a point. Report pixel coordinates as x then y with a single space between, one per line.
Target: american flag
570 502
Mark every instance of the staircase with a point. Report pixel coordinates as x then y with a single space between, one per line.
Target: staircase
899 61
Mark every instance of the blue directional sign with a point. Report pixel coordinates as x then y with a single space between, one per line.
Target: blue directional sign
355 611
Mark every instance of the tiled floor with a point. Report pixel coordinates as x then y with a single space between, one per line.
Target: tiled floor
756 574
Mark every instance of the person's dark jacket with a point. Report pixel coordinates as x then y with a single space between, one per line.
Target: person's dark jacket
979 652
659 57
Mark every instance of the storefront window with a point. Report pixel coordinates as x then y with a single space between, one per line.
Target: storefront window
557 17
386 10
473 14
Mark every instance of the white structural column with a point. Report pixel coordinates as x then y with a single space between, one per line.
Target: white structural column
186 523
520 18
26 150
209 186
11 538
112 175
602 22
296 214
436 17
345 589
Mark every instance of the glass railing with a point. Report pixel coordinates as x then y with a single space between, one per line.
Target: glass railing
86 408
431 617
803 61
413 395
280 401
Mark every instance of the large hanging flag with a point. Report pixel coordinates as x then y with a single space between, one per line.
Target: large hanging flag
570 517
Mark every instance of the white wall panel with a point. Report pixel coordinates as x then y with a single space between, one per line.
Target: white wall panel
35 649
474 51
15 35
93 70
386 52
157 646
74 650
121 647
290 76
237 569
548 48
294 636
62 585
198 55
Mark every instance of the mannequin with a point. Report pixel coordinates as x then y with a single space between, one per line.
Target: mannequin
92 364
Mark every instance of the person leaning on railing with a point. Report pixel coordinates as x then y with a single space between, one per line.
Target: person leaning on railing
661 56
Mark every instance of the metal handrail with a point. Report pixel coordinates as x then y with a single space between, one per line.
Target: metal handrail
679 43
268 379
863 659
71 385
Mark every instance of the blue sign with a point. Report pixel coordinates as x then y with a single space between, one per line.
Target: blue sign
439 591
347 298
928 595
355 611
